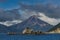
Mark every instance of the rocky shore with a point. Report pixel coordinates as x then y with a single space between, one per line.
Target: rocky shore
27 31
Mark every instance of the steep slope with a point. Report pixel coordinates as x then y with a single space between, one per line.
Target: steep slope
3 28
55 28
33 22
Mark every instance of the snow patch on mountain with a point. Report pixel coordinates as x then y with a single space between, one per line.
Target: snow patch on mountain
10 23
49 20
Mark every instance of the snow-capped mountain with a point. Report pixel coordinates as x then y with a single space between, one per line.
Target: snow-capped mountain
33 22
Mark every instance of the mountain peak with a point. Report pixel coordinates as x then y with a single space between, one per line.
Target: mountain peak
33 19
34 16
34 23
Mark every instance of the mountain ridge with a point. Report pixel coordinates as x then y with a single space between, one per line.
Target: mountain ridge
54 28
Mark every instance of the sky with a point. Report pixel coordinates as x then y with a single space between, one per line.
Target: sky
6 4
47 9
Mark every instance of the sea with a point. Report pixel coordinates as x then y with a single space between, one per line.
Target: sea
30 37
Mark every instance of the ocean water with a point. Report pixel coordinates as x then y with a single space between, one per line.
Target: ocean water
30 37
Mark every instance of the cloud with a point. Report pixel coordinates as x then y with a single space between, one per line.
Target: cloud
25 14
49 20
7 15
49 9
49 13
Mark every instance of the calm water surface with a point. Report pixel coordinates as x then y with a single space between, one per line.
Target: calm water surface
30 37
